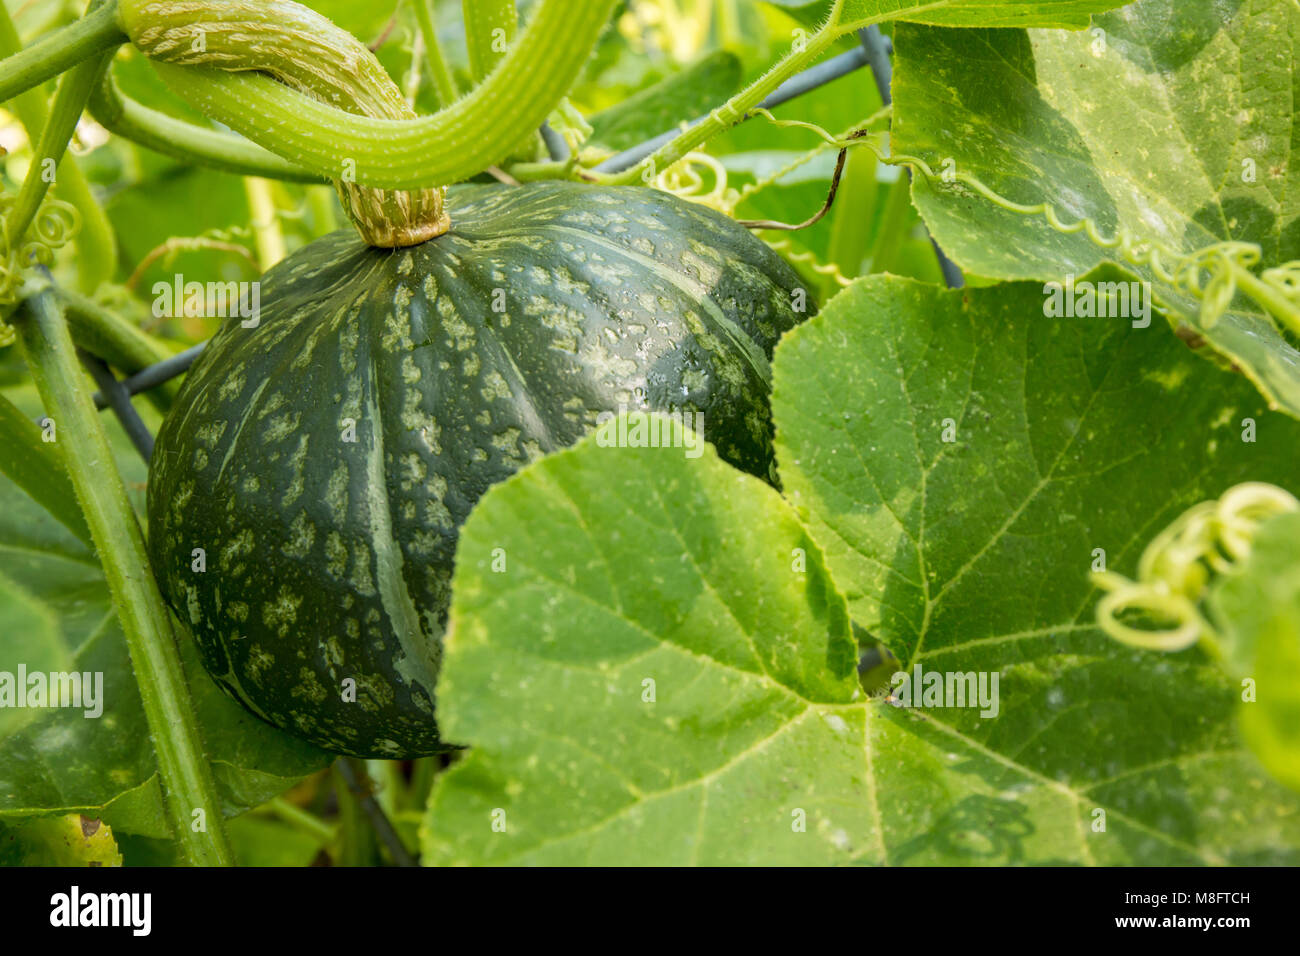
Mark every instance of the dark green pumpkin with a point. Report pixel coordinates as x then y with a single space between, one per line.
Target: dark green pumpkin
450 365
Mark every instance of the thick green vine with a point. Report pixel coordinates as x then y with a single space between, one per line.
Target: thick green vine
96 244
189 793
306 52
97 32
452 145
117 112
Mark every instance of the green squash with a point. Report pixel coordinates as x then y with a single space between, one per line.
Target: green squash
324 460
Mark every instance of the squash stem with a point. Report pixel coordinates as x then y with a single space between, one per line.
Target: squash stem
303 52
483 19
98 31
96 243
734 110
69 101
443 80
120 114
452 145
190 799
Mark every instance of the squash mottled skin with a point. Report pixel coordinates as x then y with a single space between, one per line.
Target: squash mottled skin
458 361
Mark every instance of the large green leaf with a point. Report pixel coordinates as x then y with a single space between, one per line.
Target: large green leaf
1149 123
56 614
623 565
1258 612
961 459
627 566
1069 14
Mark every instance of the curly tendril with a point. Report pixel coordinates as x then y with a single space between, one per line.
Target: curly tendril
55 225
699 178
1175 570
1212 275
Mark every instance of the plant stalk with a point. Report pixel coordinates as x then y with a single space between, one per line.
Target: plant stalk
97 32
69 101
96 243
187 142
301 52
483 19
452 145
443 80
183 767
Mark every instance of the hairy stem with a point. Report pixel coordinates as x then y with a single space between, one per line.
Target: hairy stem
120 114
450 146
96 32
300 51
96 243
183 768
443 80
69 101
483 20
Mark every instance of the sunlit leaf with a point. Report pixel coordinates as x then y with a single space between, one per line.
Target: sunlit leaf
1170 120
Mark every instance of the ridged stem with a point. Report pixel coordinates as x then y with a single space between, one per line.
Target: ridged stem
306 53
443 80
183 767
96 243
69 101
188 142
486 23
96 32
450 146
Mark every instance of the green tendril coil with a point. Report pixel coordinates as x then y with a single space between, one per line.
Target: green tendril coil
1176 568
55 225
